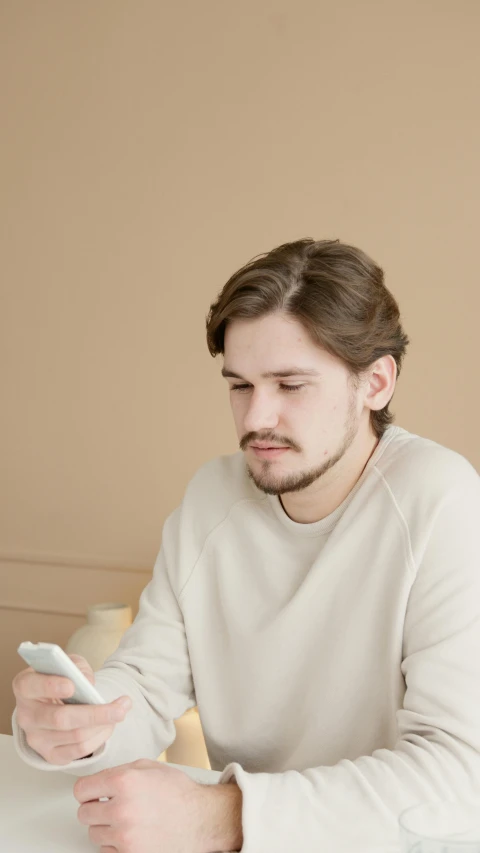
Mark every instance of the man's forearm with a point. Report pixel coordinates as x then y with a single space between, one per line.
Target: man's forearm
221 818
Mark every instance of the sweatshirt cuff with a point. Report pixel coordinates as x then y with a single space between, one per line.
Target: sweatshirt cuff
33 759
257 827
277 813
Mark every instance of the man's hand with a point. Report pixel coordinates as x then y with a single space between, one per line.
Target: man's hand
60 732
153 807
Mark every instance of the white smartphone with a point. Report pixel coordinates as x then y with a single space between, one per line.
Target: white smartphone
50 659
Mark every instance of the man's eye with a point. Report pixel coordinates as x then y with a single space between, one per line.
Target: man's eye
291 387
284 387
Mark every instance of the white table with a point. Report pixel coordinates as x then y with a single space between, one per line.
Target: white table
38 812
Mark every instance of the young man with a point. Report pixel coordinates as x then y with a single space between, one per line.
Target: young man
317 595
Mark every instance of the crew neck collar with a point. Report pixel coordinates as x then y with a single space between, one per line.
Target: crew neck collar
325 525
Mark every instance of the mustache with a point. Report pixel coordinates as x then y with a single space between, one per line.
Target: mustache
251 437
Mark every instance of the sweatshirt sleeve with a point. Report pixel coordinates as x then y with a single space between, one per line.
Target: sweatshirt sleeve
354 806
151 665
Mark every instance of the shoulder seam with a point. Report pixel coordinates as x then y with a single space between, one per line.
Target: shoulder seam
212 531
402 519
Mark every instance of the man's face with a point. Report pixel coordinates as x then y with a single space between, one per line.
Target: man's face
313 413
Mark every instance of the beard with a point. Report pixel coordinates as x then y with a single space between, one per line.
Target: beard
275 484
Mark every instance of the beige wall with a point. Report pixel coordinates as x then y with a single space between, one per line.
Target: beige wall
148 150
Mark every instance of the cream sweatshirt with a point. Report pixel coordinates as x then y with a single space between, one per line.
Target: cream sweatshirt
335 665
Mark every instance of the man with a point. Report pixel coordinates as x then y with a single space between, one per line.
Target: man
317 595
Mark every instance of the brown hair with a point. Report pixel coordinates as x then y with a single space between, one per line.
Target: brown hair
334 290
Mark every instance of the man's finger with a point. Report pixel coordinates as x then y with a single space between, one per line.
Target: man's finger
103 784
70 738
65 718
62 755
96 814
33 685
104 835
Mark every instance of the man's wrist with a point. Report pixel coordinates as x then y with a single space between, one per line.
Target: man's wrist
220 818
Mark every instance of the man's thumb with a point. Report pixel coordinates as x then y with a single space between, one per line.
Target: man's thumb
124 701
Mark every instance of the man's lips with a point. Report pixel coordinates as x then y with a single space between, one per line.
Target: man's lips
265 446
268 451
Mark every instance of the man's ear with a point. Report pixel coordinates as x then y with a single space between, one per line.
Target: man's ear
380 383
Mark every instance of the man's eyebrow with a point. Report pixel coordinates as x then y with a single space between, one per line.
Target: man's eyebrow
276 374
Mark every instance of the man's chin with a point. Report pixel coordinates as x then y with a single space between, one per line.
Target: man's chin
292 482
266 483
268 488
277 485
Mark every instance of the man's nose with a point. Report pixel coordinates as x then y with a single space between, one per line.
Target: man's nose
262 413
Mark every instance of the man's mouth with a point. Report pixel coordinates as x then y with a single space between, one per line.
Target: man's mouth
268 451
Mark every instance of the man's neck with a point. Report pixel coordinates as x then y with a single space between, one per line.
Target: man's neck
327 493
